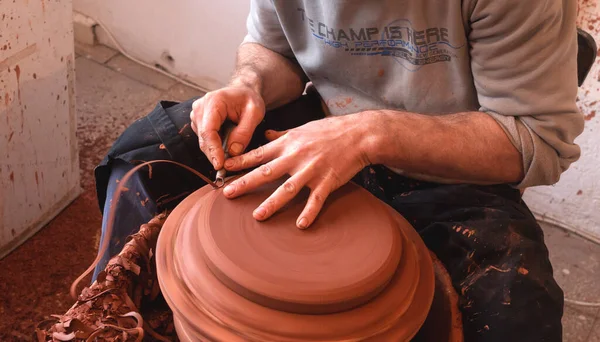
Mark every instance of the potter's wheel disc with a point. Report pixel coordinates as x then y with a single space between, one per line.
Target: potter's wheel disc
344 259
207 305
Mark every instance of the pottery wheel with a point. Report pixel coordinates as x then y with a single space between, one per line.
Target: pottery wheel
359 272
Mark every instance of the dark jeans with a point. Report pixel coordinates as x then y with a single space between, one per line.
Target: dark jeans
486 236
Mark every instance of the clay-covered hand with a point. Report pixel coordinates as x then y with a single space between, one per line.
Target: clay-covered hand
322 155
242 105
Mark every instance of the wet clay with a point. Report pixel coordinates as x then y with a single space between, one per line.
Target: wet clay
360 272
341 262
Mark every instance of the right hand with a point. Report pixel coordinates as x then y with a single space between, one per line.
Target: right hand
239 104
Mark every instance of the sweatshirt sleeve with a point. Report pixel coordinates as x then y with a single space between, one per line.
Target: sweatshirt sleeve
524 64
265 29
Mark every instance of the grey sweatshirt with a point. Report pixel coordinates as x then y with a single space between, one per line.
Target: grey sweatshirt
512 59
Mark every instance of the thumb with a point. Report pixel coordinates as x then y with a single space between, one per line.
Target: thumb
240 135
274 135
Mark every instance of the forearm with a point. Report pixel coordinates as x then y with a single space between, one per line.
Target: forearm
465 146
278 79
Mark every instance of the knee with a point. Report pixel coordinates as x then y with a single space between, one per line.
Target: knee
515 301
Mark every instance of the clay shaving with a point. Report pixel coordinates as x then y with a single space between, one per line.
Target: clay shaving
113 307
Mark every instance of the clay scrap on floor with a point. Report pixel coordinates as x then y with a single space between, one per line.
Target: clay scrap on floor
123 304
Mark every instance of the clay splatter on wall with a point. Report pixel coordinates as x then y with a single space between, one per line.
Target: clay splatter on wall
590 116
588 19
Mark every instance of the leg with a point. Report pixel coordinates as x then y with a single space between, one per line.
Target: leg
135 208
493 249
162 134
166 133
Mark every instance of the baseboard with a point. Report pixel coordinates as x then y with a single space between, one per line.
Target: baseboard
103 38
83 29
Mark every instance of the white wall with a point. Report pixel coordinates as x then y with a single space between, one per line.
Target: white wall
39 167
575 201
200 35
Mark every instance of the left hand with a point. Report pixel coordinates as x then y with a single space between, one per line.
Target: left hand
322 155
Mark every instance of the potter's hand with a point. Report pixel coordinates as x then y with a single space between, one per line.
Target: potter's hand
322 155
240 104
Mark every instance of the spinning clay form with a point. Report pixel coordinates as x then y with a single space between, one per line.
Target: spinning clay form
360 272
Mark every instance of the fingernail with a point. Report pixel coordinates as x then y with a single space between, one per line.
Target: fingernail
229 163
302 223
215 163
228 190
236 148
260 212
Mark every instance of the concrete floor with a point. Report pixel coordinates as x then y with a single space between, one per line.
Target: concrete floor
112 92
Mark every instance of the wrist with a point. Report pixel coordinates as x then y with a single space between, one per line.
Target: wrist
374 136
249 80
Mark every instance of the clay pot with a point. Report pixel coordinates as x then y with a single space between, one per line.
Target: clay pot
361 272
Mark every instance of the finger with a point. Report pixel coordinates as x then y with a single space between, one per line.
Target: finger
259 155
284 193
313 206
196 106
274 135
210 144
196 116
241 135
214 113
264 174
